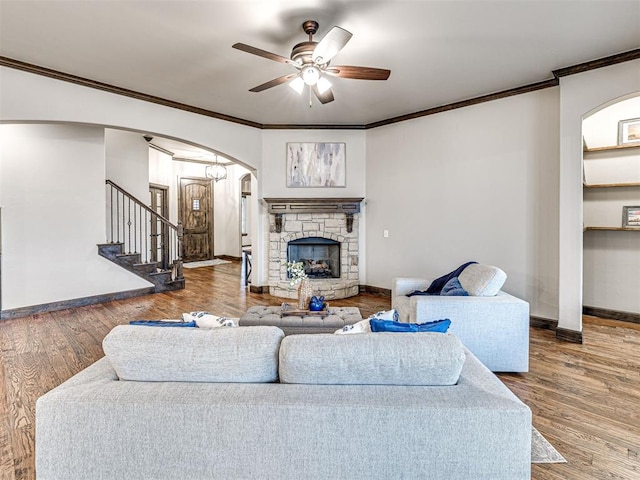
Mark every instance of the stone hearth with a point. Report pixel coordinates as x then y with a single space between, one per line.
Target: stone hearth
334 219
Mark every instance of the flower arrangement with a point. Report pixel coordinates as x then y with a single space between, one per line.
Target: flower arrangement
296 269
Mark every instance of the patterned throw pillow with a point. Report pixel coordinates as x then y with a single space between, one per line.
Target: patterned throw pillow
386 315
207 320
363 326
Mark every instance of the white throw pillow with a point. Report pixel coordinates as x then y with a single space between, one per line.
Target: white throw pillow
482 280
206 320
363 326
387 315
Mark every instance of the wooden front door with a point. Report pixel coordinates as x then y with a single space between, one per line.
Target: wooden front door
196 215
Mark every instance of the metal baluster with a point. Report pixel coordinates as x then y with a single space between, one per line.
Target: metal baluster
118 216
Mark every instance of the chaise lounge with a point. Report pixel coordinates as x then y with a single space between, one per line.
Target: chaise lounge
491 323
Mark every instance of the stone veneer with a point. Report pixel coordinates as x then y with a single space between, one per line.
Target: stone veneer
325 225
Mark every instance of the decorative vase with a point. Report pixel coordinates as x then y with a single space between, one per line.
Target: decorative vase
316 304
304 292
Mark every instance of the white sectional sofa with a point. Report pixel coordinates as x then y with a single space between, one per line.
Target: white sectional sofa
491 323
248 403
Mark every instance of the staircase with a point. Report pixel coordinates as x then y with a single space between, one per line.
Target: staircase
142 241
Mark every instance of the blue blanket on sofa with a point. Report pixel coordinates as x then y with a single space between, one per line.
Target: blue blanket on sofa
436 286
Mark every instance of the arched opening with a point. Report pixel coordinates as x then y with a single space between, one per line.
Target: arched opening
54 211
611 209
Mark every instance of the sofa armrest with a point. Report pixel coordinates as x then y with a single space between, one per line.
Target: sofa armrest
405 285
428 308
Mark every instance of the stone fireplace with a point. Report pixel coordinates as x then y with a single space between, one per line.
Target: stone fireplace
323 233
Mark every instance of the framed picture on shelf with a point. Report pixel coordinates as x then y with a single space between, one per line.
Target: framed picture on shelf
631 217
629 131
316 165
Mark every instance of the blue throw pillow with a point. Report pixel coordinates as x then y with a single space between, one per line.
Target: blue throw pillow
453 289
440 326
161 323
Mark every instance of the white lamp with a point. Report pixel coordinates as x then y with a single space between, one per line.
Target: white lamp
310 75
323 85
297 84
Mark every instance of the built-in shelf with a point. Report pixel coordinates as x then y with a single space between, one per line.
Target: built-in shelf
612 147
614 229
611 185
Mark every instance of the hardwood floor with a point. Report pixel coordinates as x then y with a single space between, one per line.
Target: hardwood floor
585 398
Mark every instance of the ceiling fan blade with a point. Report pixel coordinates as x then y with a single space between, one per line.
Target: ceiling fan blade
359 73
274 82
262 53
331 43
325 97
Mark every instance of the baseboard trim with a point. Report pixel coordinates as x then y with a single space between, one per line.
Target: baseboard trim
544 323
256 289
382 292
611 314
572 336
73 303
229 257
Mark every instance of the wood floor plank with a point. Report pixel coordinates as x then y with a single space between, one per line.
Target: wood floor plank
584 397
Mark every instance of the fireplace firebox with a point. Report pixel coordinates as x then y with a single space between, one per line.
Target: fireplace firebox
320 256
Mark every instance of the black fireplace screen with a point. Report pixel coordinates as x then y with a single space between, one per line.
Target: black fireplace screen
320 256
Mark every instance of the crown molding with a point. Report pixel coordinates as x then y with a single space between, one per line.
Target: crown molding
557 74
467 103
105 87
599 63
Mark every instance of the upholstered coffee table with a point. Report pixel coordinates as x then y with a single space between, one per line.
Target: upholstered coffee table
335 318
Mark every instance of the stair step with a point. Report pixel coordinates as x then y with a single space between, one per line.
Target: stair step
110 250
129 258
149 268
161 279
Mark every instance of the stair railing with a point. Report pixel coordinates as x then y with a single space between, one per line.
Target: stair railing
142 231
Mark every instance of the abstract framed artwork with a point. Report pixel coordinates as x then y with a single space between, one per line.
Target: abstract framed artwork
629 131
316 165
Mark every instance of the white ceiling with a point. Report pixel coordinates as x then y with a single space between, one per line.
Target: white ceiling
439 52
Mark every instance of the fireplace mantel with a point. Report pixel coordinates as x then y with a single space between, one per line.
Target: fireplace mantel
280 206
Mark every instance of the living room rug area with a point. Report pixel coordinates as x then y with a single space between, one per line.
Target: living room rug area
205 263
542 451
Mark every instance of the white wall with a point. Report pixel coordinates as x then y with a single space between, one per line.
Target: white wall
26 97
273 173
580 95
478 183
53 206
127 162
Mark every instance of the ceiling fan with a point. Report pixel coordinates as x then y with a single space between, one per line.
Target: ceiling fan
311 60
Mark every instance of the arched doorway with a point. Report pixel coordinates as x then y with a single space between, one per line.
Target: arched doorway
611 206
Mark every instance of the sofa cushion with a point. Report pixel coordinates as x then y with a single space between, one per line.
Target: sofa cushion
372 359
482 280
152 354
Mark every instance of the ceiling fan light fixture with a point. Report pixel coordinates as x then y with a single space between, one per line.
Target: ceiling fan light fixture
297 84
323 85
310 74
